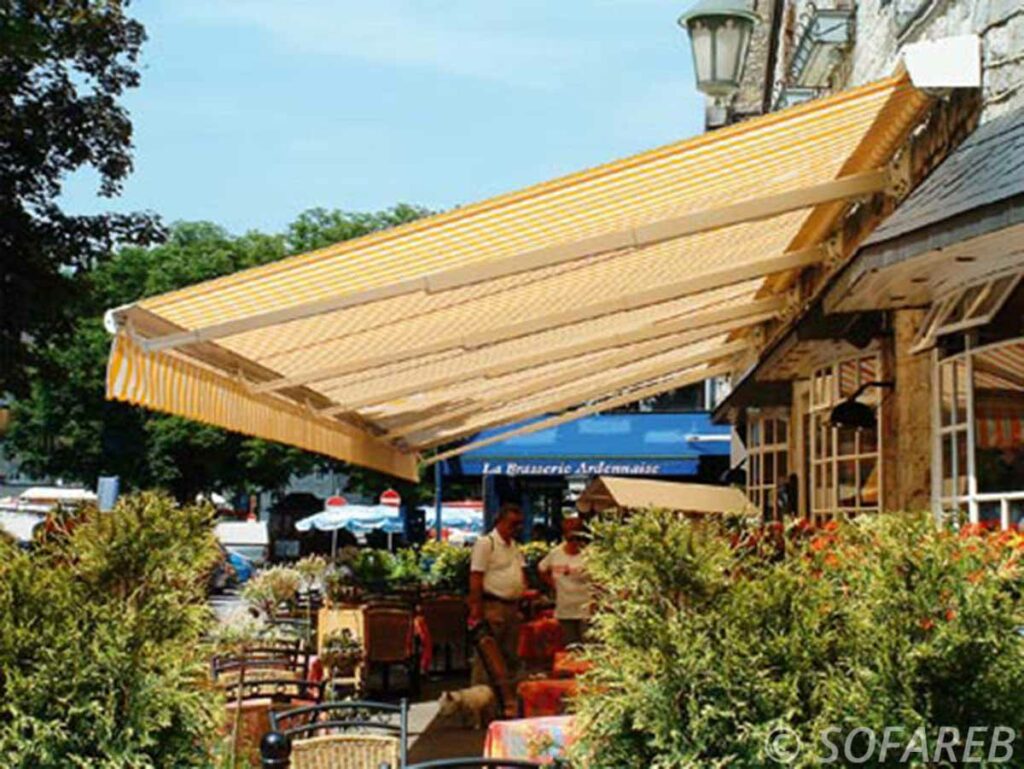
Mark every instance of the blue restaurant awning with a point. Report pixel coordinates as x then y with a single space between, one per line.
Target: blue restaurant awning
603 444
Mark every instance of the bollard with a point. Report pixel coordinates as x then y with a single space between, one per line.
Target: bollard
275 751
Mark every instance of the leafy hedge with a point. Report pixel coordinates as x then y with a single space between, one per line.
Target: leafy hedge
100 657
707 644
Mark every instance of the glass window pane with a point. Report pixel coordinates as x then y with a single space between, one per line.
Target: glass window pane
994 297
781 430
846 441
848 378
960 439
947 391
769 432
847 472
868 440
754 433
990 513
868 479
999 418
947 466
769 469
782 467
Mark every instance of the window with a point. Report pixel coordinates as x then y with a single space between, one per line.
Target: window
844 462
979 411
970 307
767 463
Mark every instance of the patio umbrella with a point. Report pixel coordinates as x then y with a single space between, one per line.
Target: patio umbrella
356 518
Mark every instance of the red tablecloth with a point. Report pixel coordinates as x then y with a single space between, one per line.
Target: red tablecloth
568 665
540 639
546 696
426 644
532 739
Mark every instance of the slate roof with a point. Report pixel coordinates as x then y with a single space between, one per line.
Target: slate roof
987 168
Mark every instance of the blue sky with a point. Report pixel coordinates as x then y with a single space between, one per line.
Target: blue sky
251 111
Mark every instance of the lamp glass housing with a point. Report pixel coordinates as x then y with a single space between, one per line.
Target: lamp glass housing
720 39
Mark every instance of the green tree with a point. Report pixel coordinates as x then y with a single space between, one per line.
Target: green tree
101 660
64 65
65 427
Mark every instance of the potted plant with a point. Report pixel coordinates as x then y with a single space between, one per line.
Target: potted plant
341 654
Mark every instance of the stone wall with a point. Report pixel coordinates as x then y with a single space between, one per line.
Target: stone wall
884 26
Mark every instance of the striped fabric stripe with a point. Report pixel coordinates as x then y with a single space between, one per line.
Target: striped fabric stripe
168 383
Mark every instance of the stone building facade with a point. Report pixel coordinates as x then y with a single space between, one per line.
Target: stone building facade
922 320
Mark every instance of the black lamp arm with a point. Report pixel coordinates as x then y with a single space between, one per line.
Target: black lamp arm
889 383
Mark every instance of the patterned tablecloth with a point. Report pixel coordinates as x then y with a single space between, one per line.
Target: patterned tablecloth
532 739
567 665
545 696
540 639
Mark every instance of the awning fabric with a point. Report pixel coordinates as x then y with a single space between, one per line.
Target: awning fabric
624 280
608 492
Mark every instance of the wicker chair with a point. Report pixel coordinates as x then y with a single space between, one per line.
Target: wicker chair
338 735
280 691
390 640
446 617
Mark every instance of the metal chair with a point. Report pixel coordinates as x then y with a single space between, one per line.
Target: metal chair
338 735
391 640
446 617
263 663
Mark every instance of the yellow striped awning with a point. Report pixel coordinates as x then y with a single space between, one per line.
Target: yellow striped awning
628 278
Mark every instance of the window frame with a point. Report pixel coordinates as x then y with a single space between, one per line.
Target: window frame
758 488
947 507
824 461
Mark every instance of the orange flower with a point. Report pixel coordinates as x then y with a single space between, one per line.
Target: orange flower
950 615
926 623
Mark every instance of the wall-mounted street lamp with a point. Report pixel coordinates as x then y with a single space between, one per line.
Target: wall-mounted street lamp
720 32
852 413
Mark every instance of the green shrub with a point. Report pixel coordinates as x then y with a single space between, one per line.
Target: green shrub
706 645
446 565
100 657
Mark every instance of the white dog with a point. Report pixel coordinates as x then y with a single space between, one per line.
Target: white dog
476 705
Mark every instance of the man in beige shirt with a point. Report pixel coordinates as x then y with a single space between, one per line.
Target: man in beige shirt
496 583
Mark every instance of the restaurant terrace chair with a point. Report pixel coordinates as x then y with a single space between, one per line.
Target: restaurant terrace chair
279 691
338 735
229 669
391 640
446 617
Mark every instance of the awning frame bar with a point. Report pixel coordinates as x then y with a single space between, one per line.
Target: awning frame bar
701 324
729 276
656 389
575 397
672 228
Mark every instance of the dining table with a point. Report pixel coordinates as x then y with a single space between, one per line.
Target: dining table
539 639
532 739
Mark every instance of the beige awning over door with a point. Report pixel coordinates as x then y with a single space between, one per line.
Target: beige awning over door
611 493
567 297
